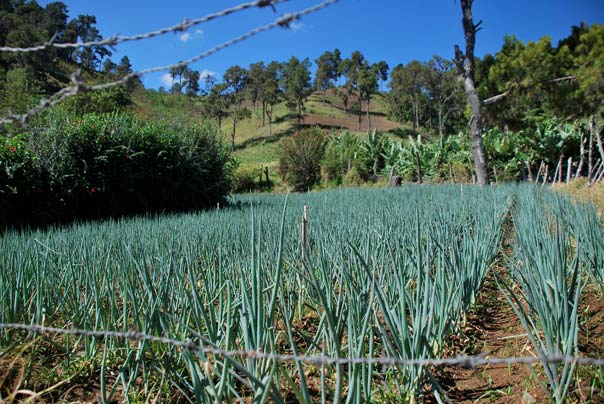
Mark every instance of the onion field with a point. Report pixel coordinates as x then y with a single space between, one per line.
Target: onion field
383 274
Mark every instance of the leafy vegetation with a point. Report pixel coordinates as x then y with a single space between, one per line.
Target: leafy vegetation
226 279
300 158
109 165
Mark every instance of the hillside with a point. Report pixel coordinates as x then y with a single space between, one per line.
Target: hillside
255 147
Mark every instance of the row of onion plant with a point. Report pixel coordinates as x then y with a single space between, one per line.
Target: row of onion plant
547 270
387 273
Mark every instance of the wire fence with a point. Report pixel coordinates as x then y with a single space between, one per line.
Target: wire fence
78 86
470 362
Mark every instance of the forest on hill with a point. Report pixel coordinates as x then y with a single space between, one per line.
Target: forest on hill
337 119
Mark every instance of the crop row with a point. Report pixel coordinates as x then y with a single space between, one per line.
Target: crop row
387 273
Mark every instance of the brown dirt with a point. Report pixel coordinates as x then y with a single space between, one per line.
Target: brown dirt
591 344
493 330
351 122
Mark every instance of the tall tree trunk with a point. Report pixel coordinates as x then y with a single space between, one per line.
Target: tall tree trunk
368 115
360 103
299 114
415 116
590 152
418 162
466 66
593 129
582 156
270 120
440 121
233 134
263 113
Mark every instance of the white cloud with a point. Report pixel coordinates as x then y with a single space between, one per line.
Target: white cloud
296 26
167 80
187 36
205 73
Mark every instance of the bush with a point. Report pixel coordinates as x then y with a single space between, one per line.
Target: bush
109 165
300 158
246 180
353 178
341 155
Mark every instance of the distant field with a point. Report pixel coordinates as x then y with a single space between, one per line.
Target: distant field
417 272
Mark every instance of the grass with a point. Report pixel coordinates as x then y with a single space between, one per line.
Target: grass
254 146
581 190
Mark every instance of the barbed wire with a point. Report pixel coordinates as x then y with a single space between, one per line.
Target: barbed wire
117 39
79 87
470 362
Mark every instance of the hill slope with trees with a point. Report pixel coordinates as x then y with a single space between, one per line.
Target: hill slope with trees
542 105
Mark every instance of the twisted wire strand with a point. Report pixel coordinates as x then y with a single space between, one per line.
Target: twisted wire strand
79 87
458 361
117 39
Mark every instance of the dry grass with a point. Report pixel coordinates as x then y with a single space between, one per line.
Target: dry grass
581 190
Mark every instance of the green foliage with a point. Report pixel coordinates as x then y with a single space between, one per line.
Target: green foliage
249 179
296 84
233 279
372 151
110 165
353 178
327 70
549 275
552 139
300 158
24 185
20 91
341 156
539 80
112 99
33 75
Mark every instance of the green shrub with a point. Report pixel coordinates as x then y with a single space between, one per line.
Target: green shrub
300 158
246 179
342 154
353 178
24 186
110 165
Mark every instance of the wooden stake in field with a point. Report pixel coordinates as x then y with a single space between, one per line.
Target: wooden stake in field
590 154
304 232
582 154
541 166
558 169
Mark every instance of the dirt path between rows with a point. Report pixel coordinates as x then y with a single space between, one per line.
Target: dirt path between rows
493 330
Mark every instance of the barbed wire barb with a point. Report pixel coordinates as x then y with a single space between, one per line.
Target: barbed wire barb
79 87
117 39
470 362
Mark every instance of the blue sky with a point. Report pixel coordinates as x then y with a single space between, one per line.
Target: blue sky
397 31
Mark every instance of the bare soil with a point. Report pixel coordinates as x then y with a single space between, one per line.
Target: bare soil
351 122
493 330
